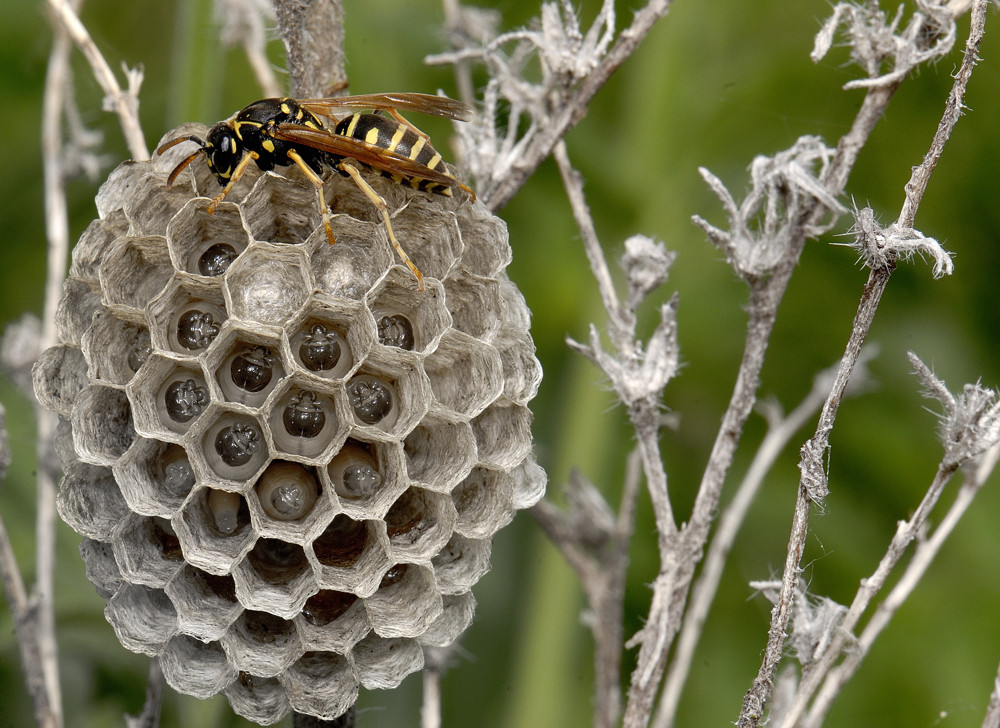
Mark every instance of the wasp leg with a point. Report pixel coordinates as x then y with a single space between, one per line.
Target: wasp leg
233 179
318 183
376 199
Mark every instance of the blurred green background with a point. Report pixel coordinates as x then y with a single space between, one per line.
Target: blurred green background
714 84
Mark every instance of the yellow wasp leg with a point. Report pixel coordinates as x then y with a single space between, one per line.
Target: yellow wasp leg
376 199
318 183
233 179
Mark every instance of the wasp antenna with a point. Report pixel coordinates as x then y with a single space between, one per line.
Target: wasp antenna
180 167
174 142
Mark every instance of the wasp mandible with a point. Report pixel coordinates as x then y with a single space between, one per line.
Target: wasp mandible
280 132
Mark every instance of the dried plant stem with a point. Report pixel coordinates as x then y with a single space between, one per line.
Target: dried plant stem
430 711
123 104
813 482
779 434
150 715
922 558
575 107
313 34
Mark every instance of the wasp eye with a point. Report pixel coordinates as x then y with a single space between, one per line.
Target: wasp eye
371 399
185 399
216 259
252 369
237 443
320 348
304 416
196 329
395 331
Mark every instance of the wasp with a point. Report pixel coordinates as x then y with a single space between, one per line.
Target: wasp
280 132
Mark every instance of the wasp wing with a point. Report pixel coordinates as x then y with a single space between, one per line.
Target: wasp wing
421 103
369 154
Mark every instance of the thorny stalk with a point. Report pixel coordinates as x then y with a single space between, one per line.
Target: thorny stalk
813 483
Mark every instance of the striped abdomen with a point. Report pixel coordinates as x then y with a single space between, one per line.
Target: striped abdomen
386 133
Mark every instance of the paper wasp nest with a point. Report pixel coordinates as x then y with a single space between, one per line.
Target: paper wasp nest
288 463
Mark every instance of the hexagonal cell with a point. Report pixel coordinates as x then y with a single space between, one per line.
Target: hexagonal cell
382 663
274 577
79 302
484 503
386 396
359 258
282 210
94 244
487 251
440 452
102 425
148 551
321 684
168 397
419 523
503 435
288 503
206 244
187 316
476 305
102 569
207 546
459 360
143 618
196 668
247 365
232 445
329 338
150 206
332 621
89 500
206 604
367 477
262 644
156 477
115 347
260 699
404 320
305 422
529 483
59 377
521 371
118 186
268 284
351 556
456 616
134 270
406 604
461 564
429 235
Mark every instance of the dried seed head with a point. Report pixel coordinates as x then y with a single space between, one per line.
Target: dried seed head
288 484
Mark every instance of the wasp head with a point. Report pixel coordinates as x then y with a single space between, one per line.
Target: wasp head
220 147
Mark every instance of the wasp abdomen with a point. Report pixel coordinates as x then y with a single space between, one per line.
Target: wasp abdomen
385 133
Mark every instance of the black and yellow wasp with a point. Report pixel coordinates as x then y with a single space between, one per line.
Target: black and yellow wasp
281 132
